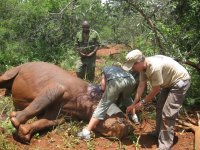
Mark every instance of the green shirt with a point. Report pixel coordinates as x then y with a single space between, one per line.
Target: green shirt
89 46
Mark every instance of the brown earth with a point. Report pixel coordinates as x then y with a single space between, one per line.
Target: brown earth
110 50
57 140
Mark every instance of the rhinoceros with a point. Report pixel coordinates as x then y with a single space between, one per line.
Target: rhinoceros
47 91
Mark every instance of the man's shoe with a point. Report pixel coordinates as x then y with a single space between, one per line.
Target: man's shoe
84 134
154 134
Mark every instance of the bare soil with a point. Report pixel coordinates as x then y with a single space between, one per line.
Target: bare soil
56 140
110 50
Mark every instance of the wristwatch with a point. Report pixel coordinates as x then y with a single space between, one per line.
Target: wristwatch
143 101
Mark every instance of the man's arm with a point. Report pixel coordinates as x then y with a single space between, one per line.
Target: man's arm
97 44
77 44
92 124
87 55
155 90
81 53
93 52
140 90
137 104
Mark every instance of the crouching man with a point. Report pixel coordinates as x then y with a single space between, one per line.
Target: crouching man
118 86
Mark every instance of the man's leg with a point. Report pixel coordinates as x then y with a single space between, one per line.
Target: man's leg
110 95
159 106
80 69
126 85
169 114
90 70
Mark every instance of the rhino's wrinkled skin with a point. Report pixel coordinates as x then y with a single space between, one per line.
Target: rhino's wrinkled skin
47 91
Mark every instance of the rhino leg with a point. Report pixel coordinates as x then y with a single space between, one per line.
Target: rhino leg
49 119
48 96
26 131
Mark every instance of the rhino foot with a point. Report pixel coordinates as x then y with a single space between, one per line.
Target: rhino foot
24 139
13 114
15 122
24 129
24 133
17 118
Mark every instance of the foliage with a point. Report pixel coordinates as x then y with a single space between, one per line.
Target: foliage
44 30
192 96
6 107
170 28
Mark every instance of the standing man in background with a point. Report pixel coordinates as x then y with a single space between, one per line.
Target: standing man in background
87 44
168 78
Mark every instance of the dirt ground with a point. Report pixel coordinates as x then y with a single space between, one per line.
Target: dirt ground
56 140
110 50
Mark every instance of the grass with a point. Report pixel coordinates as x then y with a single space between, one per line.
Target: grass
6 107
5 144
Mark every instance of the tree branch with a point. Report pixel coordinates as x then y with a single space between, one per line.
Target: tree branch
151 25
62 10
190 63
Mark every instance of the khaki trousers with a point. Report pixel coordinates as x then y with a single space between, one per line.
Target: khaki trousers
168 106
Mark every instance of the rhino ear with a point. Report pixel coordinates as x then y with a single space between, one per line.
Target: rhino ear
95 92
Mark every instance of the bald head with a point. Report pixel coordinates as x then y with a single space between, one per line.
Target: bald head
85 24
86 27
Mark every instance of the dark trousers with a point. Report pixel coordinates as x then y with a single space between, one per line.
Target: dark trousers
85 69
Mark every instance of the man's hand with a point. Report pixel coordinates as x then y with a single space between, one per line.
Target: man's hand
139 105
82 54
130 109
79 50
93 52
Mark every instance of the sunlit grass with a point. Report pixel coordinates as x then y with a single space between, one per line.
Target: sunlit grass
6 107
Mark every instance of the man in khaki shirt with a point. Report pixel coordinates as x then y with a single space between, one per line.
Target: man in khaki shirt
168 78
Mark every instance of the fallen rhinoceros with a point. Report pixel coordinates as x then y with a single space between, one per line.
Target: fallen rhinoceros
47 91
